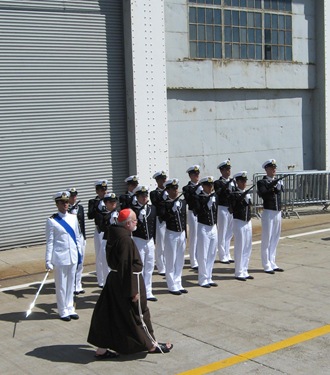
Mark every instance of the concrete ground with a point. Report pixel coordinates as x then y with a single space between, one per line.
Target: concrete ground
274 324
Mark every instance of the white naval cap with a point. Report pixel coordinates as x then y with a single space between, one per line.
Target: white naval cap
132 179
101 182
171 182
141 189
241 175
269 163
194 168
224 164
61 196
72 191
159 174
207 180
110 197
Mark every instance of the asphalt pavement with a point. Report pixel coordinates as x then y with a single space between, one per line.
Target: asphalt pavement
274 324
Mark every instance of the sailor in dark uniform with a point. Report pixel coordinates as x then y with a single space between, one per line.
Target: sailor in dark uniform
205 207
110 214
144 235
189 191
126 199
94 206
156 197
173 212
270 189
77 209
223 186
240 205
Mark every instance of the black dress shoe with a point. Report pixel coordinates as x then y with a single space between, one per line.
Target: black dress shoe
74 316
161 273
223 262
231 261
75 293
152 299
195 268
278 269
176 293
213 284
240 278
249 277
101 286
66 318
206 286
82 291
270 272
184 291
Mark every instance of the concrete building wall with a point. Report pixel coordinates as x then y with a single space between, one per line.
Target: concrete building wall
246 110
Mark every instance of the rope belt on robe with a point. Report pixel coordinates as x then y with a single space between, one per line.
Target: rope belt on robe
154 342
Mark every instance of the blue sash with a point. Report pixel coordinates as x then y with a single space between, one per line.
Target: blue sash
69 230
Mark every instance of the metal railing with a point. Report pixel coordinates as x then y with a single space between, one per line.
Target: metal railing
300 189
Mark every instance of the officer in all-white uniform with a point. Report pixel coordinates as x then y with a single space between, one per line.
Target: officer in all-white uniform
270 189
240 205
96 206
77 209
223 186
189 191
144 235
206 206
157 196
63 253
173 212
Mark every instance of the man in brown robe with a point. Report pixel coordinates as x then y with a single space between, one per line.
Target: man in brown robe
121 318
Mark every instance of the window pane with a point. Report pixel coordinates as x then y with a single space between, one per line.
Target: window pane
209 50
235 3
236 34
201 15
250 3
217 34
209 1
274 21
268 52
228 51
259 52
217 51
281 53
281 37
227 2
251 51
202 49
258 20
288 53
209 33
192 15
251 38
243 35
281 5
217 17
243 3
258 4
274 37
235 18
267 4
250 19
243 54
267 36
228 34
288 5
281 22
267 21
274 53
259 36
193 49
217 2
201 32
288 22
243 18
227 17
235 51
288 37
209 16
193 32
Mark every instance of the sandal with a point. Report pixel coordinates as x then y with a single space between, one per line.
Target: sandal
107 355
162 348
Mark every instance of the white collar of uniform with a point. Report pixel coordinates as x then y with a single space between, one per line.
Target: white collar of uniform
62 215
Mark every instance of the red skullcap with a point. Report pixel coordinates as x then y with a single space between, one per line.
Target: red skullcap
124 214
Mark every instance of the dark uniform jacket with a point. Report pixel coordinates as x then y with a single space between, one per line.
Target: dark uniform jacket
270 195
239 206
108 218
146 229
79 211
175 221
92 207
189 191
205 215
156 197
223 188
125 200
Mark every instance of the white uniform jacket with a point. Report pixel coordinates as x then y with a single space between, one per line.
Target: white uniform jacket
61 249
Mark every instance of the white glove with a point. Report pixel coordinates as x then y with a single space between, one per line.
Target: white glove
113 218
247 198
210 202
134 200
165 195
101 206
142 214
279 185
176 206
49 265
199 189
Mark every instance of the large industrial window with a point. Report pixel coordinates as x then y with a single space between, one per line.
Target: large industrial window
241 29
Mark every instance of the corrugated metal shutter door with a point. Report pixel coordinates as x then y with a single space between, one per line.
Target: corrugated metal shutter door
62 108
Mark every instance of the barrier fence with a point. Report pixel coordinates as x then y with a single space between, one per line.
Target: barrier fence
300 189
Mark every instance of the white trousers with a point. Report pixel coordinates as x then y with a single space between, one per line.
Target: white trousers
159 247
242 246
147 253
192 224
64 286
207 241
225 233
102 269
271 230
80 267
175 245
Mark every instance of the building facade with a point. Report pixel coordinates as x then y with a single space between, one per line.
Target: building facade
104 89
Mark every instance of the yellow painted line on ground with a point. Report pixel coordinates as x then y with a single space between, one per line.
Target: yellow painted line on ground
309 335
